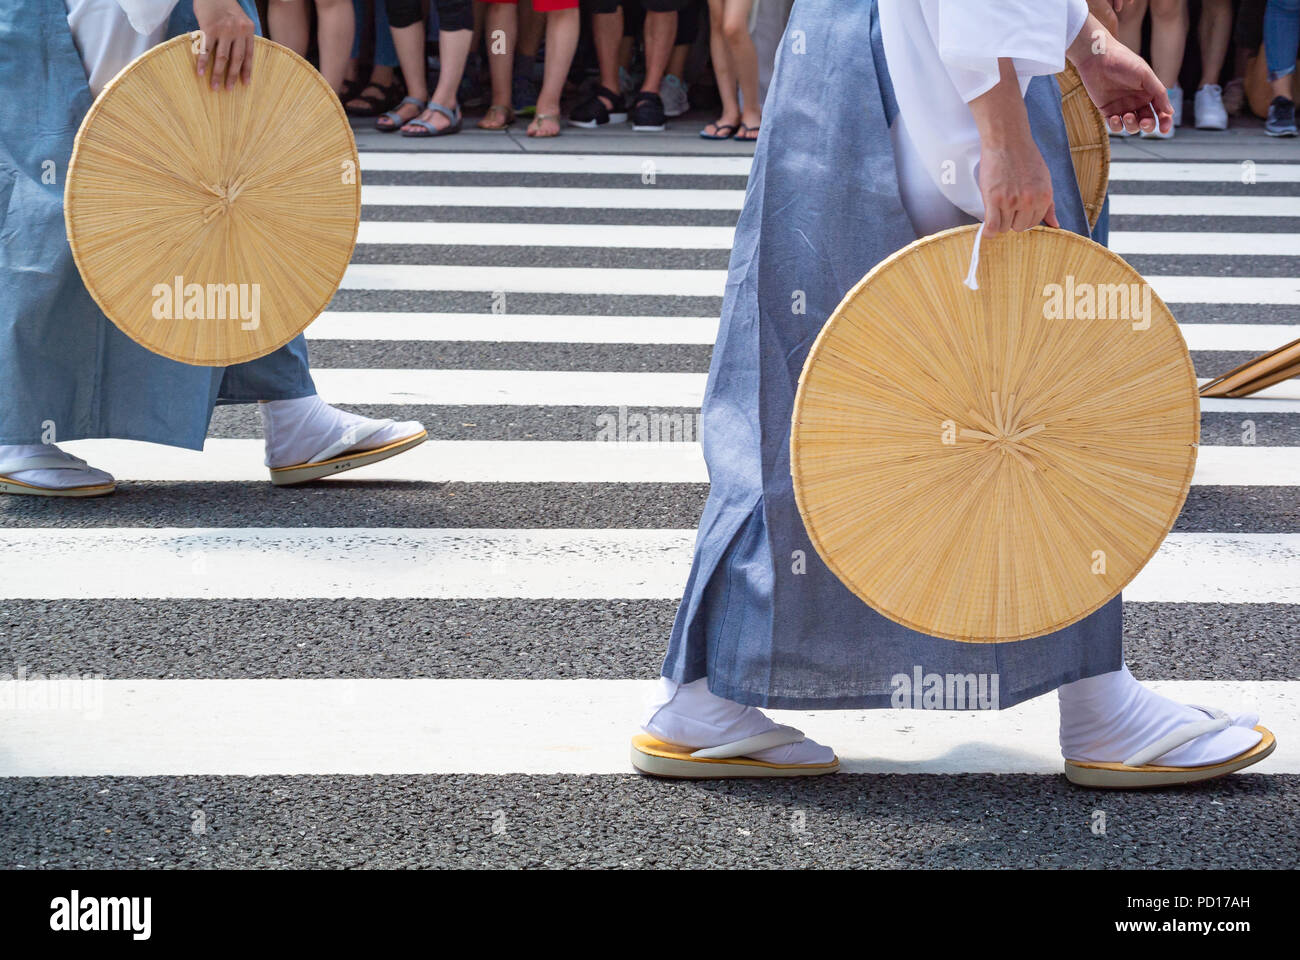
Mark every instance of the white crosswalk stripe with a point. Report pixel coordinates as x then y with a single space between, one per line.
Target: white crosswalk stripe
419 726
533 328
674 458
712 283
635 165
572 328
609 390
521 563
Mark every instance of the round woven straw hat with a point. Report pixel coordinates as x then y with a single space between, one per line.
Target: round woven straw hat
213 226
1089 141
993 465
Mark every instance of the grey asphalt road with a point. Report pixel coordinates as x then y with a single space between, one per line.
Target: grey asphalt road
458 822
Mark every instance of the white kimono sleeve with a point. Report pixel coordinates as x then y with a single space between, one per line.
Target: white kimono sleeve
972 36
944 53
109 34
146 16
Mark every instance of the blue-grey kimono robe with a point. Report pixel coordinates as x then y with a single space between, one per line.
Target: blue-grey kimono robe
762 617
66 372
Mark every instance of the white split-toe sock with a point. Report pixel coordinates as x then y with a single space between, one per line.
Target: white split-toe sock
77 473
1112 717
309 429
688 715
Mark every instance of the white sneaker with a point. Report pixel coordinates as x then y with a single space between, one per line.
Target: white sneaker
673 93
1210 111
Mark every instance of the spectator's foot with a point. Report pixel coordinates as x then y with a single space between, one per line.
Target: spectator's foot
1281 118
648 112
498 117
749 131
372 100
437 121
1210 112
724 128
404 113
602 107
673 92
1234 96
545 125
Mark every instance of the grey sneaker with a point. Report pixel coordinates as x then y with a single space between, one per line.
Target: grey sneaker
673 93
1281 118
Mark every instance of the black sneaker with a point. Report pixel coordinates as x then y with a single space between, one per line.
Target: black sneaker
1281 118
593 112
648 112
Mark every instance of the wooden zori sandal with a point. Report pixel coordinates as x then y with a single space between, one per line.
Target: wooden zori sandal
49 461
335 458
658 759
1138 771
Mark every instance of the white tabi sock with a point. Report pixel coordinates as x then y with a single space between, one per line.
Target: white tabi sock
1109 718
76 476
298 430
688 715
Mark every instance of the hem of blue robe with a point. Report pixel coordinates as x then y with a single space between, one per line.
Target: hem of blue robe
880 701
185 443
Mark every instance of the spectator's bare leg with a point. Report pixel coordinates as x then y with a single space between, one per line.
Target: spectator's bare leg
1130 25
502 27
1169 24
453 51
1215 32
607 34
562 27
286 21
744 58
408 41
723 70
660 33
335 22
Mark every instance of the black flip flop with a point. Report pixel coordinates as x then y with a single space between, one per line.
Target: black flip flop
730 127
745 126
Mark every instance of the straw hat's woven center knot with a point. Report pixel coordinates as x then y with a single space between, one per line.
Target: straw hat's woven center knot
1004 432
225 194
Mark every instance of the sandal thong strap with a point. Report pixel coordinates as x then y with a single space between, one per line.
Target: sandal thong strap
350 438
1215 721
778 736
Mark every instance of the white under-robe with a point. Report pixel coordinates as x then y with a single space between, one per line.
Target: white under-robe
942 54
109 34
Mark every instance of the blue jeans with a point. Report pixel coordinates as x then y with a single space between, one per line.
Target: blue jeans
385 52
1281 36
